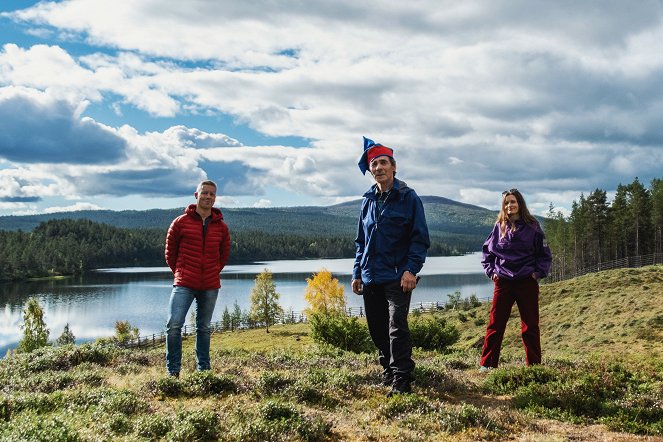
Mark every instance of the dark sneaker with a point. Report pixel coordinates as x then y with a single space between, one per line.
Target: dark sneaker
401 387
174 374
387 378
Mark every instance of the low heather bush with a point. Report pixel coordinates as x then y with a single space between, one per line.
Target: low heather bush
193 426
405 404
273 382
341 331
430 332
204 383
33 427
152 426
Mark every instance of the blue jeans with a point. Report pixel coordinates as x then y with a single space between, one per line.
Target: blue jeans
181 299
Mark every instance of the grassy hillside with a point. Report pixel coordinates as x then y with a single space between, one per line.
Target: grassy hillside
617 312
602 379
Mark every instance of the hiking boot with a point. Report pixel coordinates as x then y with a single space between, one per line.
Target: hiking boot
175 374
400 387
484 369
387 378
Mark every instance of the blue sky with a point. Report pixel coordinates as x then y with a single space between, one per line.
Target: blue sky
118 104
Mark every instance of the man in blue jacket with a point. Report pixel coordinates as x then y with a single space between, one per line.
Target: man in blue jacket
392 242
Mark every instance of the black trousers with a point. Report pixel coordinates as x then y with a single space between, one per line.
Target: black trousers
387 307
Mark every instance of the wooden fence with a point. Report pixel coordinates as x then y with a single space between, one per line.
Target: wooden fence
629 262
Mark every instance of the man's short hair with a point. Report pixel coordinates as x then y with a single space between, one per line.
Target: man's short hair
205 183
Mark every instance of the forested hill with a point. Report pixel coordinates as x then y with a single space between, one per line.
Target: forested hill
452 222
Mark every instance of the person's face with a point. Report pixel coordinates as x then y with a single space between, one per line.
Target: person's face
206 197
382 170
511 205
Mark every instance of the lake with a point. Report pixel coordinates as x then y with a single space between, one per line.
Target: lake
92 303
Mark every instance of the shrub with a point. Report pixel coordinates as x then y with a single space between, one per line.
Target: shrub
276 410
436 377
271 382
204 383
35 402
121 401
30 427
166 386
152 426
61 358
114 423
431 332
508 381
341 331
48 382
198 425
405 403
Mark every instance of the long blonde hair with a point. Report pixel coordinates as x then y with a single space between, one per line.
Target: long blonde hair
523 211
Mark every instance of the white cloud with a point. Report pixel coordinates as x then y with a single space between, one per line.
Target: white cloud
73 208
262 203
474 97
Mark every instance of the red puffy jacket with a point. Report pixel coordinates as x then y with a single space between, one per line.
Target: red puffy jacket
196 261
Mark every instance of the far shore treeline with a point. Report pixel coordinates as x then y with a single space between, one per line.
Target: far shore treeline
35 246
73 243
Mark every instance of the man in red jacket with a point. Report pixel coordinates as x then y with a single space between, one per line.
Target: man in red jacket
197 249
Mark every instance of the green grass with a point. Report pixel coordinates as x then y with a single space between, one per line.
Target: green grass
598 382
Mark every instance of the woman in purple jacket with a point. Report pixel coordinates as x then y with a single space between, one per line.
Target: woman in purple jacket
515 257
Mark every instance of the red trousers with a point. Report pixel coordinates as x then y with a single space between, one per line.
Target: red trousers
525 293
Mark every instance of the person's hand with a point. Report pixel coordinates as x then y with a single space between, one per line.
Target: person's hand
357 286
535 276
408 282
494 277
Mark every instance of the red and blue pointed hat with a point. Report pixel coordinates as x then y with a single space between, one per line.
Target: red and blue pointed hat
373 150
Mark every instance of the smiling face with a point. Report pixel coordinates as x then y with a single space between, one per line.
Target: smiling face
205 197
383 171
511 206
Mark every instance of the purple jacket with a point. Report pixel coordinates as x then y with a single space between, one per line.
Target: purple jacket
519 254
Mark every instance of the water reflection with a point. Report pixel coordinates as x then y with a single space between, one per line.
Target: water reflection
91 304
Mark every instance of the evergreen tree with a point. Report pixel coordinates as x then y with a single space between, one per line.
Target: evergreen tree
236 317
35 332
324 294
657 213
226 319
598 212
640 211
67 337
620 229
265 300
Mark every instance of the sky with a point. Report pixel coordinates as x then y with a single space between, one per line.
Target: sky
125 104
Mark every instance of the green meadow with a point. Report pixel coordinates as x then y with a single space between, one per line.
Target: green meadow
601 379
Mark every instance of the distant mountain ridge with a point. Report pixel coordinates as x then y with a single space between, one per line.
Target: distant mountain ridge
448 220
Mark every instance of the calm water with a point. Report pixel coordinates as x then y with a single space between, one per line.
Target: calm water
91 304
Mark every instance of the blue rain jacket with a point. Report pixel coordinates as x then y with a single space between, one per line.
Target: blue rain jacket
393 241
